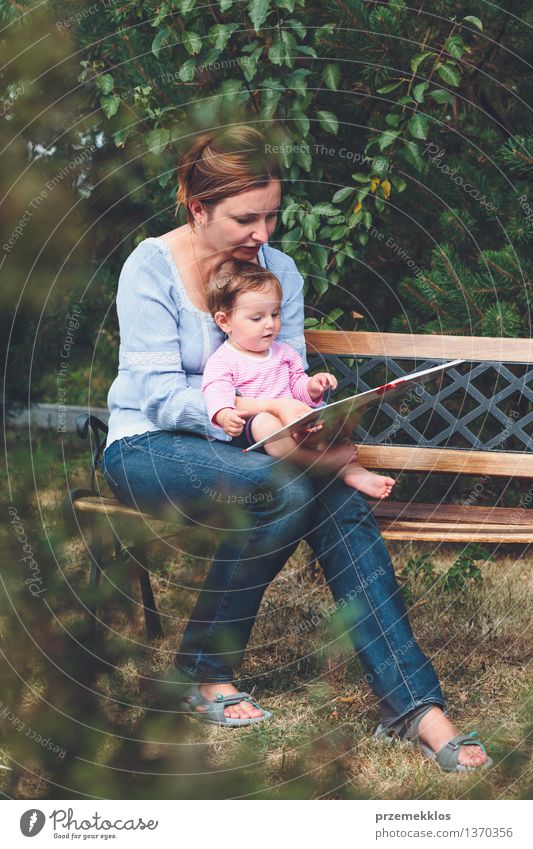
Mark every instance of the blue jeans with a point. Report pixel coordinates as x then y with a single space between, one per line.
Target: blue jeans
260 508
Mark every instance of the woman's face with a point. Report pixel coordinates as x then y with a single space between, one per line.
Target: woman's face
239 225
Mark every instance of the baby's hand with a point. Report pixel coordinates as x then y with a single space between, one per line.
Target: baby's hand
319 383
230 421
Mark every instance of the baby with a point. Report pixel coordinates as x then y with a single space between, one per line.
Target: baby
245 301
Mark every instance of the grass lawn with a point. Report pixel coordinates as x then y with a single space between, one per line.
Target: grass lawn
318 743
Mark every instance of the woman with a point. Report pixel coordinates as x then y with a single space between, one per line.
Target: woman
163 454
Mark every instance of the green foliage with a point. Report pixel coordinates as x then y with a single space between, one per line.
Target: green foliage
420 566
463 575
192 66
517 154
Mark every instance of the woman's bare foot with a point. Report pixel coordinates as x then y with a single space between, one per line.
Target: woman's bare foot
435 729
244 710
377 486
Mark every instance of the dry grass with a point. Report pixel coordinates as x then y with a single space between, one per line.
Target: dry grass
319 742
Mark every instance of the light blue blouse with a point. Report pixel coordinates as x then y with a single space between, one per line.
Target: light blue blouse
165 342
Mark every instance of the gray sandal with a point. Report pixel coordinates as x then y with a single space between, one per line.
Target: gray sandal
406 730
214 712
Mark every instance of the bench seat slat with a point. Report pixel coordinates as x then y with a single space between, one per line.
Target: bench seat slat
411 510
449 523
109 506
421 533
459 527
453 523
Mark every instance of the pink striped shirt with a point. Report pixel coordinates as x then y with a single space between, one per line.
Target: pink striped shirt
278 375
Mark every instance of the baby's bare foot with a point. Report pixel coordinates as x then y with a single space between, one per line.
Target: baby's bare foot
377 486
243 710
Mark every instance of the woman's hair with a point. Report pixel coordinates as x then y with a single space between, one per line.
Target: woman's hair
223 163
235 276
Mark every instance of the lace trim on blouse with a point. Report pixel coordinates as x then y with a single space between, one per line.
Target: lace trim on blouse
151 358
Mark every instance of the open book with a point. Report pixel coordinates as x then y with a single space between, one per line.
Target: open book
340 418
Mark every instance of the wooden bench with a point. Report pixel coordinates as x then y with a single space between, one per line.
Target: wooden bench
478 422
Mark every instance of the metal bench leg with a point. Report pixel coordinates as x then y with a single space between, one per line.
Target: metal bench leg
151 615
97 567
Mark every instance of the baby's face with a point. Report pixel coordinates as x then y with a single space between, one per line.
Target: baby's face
255 321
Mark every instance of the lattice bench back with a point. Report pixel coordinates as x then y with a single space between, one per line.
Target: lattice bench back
478 418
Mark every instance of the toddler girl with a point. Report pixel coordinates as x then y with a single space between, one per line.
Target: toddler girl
245 301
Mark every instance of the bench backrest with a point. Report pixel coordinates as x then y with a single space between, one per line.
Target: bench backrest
479 421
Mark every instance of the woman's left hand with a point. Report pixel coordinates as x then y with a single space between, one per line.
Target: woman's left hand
308 436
